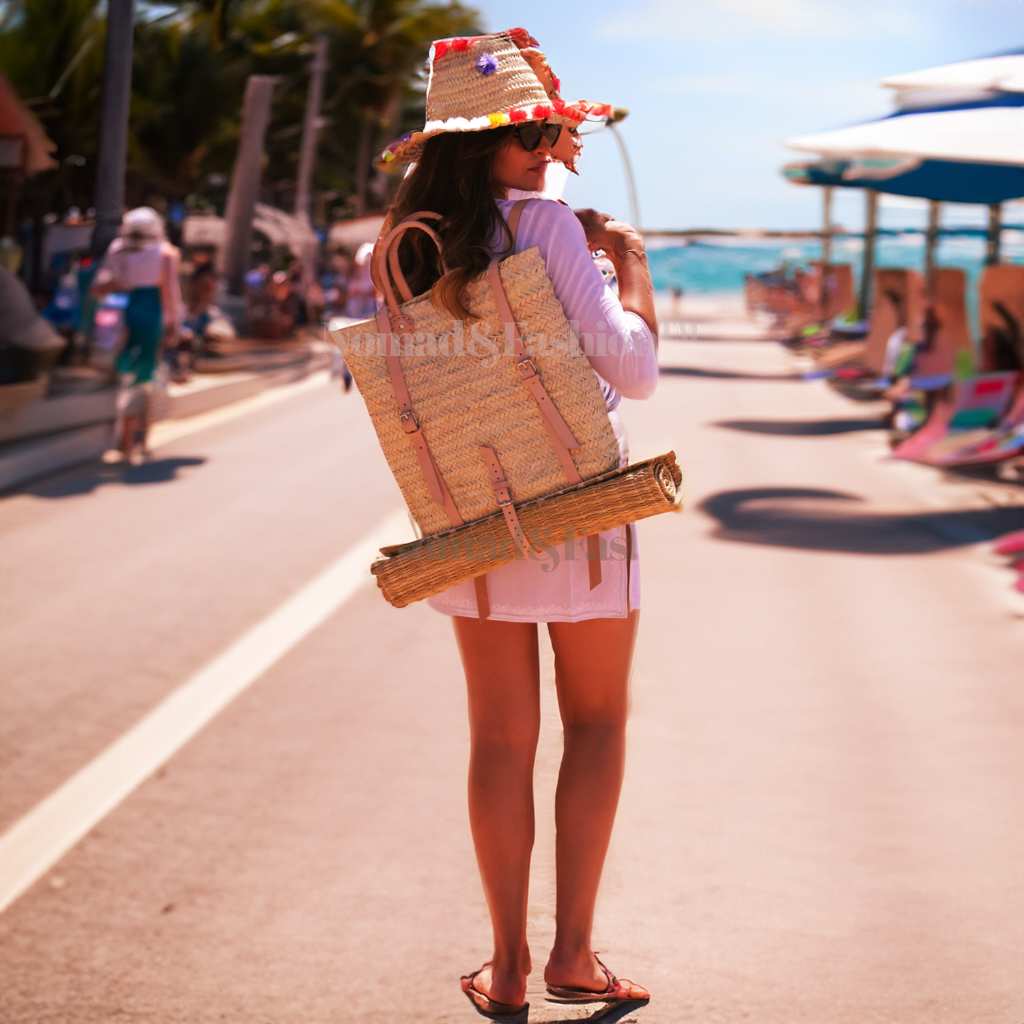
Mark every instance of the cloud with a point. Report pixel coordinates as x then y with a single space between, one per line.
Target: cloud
708 20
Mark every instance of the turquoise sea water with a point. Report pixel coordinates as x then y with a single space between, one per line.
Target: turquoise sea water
718 266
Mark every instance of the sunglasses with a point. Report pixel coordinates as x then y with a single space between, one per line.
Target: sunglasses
530 134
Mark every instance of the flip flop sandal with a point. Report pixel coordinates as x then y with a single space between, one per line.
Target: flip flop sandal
485 1005
616 991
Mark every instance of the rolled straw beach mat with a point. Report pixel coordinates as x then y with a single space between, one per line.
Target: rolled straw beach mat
421 568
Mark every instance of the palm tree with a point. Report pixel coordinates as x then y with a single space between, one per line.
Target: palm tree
191 61
52 52
383 46
376 52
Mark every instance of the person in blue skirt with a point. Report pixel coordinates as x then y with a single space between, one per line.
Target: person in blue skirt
143 264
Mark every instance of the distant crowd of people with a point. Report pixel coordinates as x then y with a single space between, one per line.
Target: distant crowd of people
148 304
279 301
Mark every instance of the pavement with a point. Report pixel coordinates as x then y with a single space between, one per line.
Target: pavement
234 777
67 420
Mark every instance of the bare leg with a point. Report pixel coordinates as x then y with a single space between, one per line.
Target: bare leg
127 434
501 664
146 421
592 666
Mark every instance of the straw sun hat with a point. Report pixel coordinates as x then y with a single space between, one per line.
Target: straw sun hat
481 82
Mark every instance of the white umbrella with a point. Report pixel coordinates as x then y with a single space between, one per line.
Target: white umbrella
990 132
986 134
1004 73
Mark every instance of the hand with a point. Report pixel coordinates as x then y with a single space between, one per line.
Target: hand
104 284
603 231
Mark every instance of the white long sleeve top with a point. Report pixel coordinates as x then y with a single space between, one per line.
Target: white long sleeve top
617 342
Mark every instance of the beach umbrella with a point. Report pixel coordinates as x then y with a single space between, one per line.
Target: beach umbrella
944 180
827 175
940 180
986 133
1000 72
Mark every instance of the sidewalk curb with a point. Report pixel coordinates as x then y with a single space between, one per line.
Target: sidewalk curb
33 458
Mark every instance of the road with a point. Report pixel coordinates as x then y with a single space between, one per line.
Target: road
234 777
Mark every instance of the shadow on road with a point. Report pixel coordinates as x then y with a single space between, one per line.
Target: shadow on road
778 516
803 428
987 471
697 371
91 477
605 1015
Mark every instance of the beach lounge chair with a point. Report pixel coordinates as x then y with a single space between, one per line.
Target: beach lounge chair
1004 440
773 292
893 307
840 300
1012 546
930 364
825 293
946 339
957 414
1001 315
1001 312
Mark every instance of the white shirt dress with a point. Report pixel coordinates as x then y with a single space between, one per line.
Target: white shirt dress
556 587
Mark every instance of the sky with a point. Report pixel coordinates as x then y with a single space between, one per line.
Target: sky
714 87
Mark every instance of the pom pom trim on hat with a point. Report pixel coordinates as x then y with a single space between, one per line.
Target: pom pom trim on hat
408 146
575 112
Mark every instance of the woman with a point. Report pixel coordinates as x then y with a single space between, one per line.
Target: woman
359 297
144 264
493 125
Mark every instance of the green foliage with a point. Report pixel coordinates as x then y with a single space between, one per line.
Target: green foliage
191 61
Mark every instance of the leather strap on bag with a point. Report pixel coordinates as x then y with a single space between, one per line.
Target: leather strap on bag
411 424
436 486
504 497
563 441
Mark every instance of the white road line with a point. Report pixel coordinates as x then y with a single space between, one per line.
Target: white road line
165 431
39 839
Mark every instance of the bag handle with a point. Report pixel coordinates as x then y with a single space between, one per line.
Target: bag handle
385 257
387 268
392 252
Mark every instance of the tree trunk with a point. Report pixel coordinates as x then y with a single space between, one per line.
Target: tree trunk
364 157
117 95
310 128
391 120
245 181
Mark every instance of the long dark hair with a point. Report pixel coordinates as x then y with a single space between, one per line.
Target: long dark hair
452 177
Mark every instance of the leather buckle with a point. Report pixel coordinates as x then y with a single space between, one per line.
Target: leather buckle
527 367
410 424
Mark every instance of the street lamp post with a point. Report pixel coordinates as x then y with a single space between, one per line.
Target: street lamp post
619 114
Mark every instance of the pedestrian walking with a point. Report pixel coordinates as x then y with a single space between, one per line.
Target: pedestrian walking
360 298
143 264
494 123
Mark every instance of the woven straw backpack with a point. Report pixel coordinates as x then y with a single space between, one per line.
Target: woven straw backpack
481 419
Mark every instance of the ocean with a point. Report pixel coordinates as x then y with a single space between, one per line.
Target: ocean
717 266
